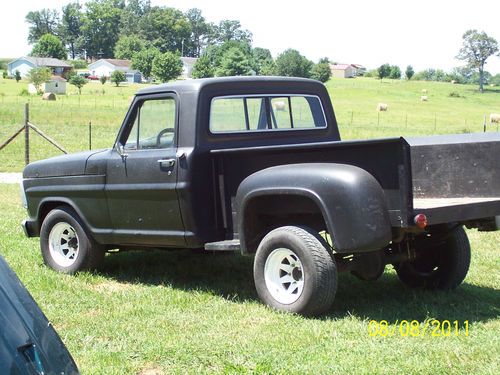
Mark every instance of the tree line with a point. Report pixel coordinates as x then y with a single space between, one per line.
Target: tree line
154 37
477 47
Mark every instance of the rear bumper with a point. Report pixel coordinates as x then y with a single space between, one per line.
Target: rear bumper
30 228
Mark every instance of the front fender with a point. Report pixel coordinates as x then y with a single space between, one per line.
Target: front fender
351 201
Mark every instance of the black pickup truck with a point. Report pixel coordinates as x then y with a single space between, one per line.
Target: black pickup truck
256 164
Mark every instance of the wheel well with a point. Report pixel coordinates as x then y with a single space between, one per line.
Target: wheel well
46 208
265 213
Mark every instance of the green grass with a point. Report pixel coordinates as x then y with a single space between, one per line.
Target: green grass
67 119
180 312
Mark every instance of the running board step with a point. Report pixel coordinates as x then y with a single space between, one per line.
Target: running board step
228 245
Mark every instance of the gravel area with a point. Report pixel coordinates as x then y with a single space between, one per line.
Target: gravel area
10 178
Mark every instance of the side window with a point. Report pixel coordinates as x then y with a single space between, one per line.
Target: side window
154 125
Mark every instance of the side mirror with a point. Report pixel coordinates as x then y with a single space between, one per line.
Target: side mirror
121 151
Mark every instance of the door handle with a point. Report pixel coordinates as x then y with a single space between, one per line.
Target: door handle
166 163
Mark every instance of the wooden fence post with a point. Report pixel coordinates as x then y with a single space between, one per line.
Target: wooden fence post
26 134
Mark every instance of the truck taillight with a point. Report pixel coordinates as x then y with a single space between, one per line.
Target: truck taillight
421 221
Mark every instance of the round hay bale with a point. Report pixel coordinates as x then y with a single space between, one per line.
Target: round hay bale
49 96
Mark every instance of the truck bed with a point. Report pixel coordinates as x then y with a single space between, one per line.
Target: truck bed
448 178
426 203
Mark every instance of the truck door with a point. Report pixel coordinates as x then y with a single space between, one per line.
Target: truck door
142 176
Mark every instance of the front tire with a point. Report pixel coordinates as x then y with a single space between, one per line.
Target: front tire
66 246
441 264
294 271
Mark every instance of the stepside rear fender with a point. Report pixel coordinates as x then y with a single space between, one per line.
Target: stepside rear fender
349 199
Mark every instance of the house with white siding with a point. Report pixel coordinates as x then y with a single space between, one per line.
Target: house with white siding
343 70
105 67
24 65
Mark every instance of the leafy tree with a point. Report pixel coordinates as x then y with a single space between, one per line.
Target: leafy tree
324 60
384 71
409 72
200 32
128 46
291 63
395 72
117 76
143 61
70 28
101 27
261 57
38 76
49 46
132 14
17 75
234 63
167 66
103 79
495 80
78 64
321 71
203 68
477 48
268 68
78 81
228 30
41 22
166 29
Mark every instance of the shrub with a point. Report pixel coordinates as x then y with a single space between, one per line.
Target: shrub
79 64
4 74
117 76
24 92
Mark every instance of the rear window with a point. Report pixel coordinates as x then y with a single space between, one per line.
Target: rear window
265 113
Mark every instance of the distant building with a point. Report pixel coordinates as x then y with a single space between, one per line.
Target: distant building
360 69
56 85
187 66
343 70
26 63
105 67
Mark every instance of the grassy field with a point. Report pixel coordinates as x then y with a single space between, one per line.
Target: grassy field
178 312
66 120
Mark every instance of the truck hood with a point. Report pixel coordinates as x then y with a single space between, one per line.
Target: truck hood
64 165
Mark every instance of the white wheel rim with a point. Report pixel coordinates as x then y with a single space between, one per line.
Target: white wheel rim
284 276
63 244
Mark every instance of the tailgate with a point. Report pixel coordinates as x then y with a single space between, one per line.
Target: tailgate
456 177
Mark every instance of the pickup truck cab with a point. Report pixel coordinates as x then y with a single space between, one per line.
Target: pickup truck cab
256 164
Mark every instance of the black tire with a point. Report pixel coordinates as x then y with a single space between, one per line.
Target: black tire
315 270
441 264
88 253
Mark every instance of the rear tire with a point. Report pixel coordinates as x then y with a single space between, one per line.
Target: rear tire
441 265
65 243
294 271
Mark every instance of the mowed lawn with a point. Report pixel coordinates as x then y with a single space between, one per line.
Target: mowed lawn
183 312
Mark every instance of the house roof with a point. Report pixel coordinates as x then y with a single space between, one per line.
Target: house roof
340 66
118 62
358 66
44 61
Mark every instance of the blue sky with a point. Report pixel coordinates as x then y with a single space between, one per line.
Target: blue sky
424 33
